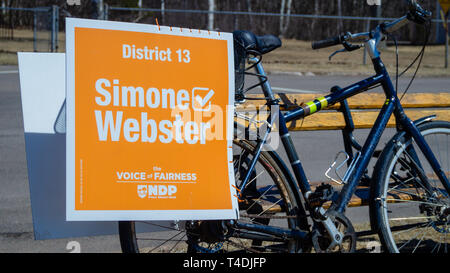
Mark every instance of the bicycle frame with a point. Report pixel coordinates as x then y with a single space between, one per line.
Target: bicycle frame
391 106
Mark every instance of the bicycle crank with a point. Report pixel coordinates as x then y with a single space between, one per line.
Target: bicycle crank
345 236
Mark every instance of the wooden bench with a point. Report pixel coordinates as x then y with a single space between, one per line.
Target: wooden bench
365 109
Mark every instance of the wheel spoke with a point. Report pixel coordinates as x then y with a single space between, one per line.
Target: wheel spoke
410 201
421 238
259 198
260 202
168 240
412 198
417 234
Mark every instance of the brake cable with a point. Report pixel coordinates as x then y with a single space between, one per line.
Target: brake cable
419 56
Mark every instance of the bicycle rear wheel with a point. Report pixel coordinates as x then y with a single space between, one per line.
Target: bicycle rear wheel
409 205
267 199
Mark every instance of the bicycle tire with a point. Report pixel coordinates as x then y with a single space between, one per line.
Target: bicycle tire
404 212
130 243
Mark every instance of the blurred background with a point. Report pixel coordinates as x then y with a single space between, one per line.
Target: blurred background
38 25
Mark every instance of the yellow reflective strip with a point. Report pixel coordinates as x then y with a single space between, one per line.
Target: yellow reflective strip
323 102
312 107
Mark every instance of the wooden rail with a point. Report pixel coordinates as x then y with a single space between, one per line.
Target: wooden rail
364 110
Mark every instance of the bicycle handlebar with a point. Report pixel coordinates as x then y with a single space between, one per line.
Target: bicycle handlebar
416 14
336 40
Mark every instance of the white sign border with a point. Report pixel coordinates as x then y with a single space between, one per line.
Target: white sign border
139 215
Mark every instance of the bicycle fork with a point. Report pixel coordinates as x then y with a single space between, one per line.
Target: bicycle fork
413 131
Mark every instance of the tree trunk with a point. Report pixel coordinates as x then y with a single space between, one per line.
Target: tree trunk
140 6
340 23
315 21
284 20
283 6
163 14
249 9
100 10
236 17
211 15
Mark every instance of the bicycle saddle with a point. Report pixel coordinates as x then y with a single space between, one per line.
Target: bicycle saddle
250 41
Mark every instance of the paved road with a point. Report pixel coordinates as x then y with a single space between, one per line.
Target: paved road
316 150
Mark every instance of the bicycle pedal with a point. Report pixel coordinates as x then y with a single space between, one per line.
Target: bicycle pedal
322 194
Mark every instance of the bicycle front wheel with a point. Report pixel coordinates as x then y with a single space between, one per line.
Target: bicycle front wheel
267 199
409 205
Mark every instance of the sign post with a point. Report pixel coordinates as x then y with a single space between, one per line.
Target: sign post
148 122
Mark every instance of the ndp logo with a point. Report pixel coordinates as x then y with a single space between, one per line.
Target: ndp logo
156 191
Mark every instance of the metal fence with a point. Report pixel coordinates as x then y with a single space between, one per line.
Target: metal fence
301 26
29 29
43 25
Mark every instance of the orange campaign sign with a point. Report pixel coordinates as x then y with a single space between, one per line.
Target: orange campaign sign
149 122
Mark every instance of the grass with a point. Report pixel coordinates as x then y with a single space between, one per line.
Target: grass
7 58
297 56
23 42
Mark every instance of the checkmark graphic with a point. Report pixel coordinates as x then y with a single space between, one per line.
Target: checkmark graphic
202 101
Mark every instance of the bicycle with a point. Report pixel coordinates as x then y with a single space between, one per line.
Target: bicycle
280 212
